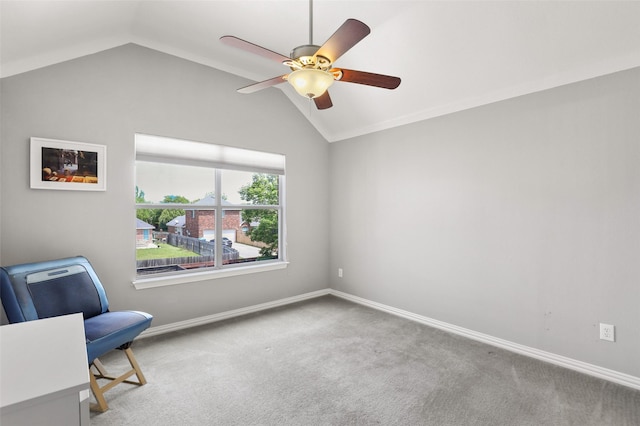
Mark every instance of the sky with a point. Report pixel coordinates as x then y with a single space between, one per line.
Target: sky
158 180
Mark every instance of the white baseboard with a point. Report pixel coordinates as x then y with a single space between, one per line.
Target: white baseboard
562 361
181 325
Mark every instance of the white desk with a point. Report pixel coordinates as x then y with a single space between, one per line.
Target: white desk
44 375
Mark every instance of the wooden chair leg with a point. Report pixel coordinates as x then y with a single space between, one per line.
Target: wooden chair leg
134 363
101 404
102 372
99 391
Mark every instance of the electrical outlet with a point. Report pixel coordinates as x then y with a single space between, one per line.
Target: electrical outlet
607 332
339 272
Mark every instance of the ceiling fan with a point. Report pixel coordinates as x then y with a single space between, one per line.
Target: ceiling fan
312 70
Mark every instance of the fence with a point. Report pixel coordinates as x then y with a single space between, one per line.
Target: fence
202 247
205 249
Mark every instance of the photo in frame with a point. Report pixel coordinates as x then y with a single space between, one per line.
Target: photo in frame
65 165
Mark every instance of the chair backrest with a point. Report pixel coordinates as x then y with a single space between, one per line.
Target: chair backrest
38 290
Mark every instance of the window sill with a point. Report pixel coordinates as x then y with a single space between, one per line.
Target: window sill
161 281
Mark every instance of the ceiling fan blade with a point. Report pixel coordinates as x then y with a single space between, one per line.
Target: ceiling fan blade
263 84
253 48
370 79
345 37
323 101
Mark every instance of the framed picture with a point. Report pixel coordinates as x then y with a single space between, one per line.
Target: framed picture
64 165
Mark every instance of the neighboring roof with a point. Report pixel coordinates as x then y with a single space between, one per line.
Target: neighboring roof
141 224
208 200
177 222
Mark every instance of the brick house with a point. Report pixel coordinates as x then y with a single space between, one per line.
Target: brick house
202 223
144 234
176 225
246 239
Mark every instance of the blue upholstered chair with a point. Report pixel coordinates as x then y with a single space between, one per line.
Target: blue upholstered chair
33 291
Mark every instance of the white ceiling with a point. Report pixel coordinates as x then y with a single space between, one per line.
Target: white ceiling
451 55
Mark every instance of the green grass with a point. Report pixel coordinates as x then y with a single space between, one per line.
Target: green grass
163 252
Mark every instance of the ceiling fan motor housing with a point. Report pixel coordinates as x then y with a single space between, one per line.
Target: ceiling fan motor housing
305 56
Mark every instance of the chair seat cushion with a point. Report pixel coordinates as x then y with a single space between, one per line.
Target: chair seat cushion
112 330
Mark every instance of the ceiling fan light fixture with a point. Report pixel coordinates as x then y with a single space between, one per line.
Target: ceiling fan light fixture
310 82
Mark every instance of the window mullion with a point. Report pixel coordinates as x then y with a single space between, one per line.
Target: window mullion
282 231
218 219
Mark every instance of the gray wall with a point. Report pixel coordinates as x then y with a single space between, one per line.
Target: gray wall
519 219
107 97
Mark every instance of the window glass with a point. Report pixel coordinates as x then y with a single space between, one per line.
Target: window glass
159 180
177 211
259 235
240 187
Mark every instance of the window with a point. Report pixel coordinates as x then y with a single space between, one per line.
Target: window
211 209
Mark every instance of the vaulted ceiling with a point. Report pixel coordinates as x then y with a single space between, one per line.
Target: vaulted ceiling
451 55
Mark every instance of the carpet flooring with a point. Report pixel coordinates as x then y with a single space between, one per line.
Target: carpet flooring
328 361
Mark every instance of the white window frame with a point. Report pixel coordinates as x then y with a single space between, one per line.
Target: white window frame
146 151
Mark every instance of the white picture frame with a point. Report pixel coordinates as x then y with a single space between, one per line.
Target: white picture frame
68 166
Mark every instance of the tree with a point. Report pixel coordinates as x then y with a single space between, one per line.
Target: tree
167 215
263 190
175 199
213 195
159 217
146 215
140 195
